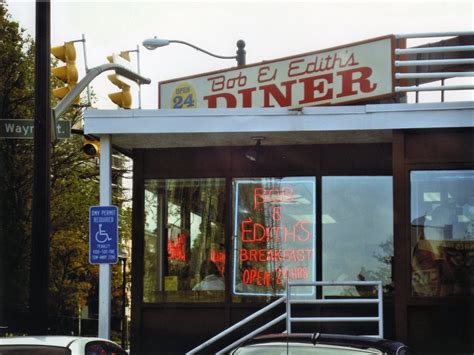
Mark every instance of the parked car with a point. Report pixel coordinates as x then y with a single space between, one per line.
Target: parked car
58 345
323 344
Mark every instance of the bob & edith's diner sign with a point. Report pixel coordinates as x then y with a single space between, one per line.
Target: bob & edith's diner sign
347 74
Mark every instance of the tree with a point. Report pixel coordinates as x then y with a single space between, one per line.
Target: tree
73 281
16 102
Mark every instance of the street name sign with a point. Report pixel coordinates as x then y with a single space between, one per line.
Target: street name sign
103 235
24 129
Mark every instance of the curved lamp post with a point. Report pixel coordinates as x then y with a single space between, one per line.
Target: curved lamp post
153 43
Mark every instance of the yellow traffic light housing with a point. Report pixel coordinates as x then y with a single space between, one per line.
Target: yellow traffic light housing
122 98
91 148
68 73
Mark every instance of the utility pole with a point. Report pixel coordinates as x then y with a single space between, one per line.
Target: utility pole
39 268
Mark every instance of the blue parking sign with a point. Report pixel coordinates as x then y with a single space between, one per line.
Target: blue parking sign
103 235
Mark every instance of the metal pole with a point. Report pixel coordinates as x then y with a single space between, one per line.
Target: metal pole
139 85
105 274
39 268
86 68
124 304
241 53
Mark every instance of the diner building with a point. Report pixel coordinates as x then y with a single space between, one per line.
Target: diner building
324 166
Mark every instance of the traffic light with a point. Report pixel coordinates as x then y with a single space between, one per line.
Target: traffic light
91 148
67 73
122 98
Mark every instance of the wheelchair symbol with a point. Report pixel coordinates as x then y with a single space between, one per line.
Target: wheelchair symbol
102 236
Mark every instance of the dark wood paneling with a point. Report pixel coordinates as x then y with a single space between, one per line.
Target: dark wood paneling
169 163
277 161
180 329
455 145
360 158
441 330
273 161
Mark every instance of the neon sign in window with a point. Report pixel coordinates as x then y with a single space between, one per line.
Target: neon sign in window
274 235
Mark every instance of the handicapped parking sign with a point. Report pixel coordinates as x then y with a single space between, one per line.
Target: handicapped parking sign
103 235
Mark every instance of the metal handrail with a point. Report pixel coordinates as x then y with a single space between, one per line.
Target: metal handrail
238 325
435 34
290 301
433 56
378 301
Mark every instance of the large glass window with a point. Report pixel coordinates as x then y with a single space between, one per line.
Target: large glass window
184 240
442 232
274 234
357 221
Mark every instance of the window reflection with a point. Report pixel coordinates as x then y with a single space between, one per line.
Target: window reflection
442 232
357 232
185 218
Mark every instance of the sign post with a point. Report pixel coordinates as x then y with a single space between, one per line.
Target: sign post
103 235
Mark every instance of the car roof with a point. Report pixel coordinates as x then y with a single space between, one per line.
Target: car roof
50 340
333 339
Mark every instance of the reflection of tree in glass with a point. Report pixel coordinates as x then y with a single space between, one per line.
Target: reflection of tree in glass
383 272
385 258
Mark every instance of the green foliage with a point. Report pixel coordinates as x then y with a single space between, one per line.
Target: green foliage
16 102
74 188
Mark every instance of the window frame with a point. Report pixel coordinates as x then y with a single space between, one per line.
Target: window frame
416 166
147 165
403 225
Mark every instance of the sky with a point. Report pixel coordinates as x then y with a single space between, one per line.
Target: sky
271 29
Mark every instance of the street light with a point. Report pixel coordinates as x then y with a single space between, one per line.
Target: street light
123 256
153 43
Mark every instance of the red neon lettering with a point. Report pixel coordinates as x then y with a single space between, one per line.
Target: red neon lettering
245 232
307 233
259 232
349 79
276 213
256 277
258 197
253 254
262 196
218 257
177 248
244 256
273 233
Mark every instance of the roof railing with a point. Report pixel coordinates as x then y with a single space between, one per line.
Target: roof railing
446 59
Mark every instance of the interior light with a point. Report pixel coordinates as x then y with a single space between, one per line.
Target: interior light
431 196
327 219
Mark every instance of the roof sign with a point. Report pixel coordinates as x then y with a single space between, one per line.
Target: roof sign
353 73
